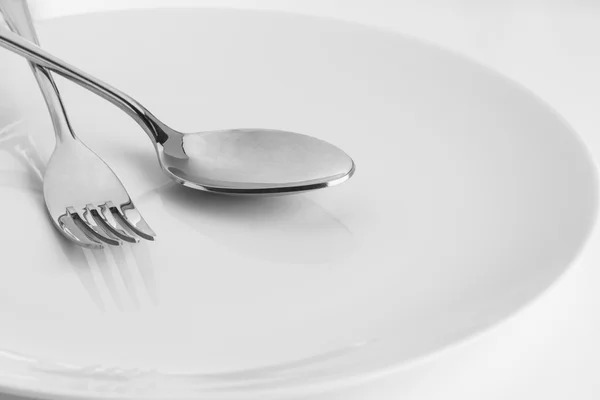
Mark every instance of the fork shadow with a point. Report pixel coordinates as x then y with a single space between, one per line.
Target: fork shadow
129 261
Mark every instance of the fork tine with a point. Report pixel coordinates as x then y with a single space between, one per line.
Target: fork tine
106 220
133 216
90 228
130 217
71 230
92 223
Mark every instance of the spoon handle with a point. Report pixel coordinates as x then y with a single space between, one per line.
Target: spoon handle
151 125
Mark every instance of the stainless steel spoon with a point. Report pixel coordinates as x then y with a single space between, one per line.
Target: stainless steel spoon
236 161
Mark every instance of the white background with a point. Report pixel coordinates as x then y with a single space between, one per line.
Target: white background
551 349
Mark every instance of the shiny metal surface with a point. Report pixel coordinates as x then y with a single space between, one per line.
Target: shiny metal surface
238 161
85 200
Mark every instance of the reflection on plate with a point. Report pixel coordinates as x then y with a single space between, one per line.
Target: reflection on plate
472 197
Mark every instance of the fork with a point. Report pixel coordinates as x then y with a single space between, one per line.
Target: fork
85 200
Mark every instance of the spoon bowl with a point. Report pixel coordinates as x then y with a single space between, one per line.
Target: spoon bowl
253 161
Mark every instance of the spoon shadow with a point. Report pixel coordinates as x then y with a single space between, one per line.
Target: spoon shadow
280 229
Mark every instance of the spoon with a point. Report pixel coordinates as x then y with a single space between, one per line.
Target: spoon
234 161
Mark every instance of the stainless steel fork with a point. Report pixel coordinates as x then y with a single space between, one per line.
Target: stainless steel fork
86 201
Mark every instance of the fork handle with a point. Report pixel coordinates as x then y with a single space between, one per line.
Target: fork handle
17 16
155 129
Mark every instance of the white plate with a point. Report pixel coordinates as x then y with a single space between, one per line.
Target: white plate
471 197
